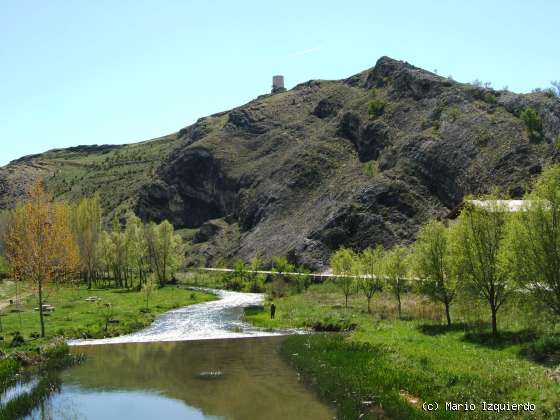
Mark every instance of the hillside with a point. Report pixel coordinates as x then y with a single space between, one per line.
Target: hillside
355 162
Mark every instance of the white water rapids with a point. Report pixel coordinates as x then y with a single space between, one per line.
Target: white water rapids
209 320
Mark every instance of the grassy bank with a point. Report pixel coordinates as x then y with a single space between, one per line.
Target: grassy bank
114 312
76 317
379 365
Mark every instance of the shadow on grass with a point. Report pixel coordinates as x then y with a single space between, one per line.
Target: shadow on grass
502 340
438 329
124 291
544 350
539 348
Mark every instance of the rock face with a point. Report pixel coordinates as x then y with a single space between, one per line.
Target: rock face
287 174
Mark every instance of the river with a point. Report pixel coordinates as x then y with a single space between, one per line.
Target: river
197 362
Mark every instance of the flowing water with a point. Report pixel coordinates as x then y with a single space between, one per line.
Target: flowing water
199 362
211 320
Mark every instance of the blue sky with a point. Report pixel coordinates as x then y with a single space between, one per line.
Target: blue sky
122 71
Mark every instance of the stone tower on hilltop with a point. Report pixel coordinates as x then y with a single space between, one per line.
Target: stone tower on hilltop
278 84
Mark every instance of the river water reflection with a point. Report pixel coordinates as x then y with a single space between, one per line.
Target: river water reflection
173 380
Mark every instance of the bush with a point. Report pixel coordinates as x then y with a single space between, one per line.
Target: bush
532 121
376 106
371 169
332 322
550 92
545 350
454 113
490 98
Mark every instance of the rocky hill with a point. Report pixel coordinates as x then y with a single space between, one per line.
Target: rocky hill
354 162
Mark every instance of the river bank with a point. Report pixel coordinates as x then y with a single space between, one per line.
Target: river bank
380 366
234 370
78 313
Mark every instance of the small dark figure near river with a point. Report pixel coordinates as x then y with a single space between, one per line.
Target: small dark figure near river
272 310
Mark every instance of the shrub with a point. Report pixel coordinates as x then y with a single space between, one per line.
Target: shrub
545 350
376 106
532 121
490 98
372 168
483 139
454 113
332 322
549 92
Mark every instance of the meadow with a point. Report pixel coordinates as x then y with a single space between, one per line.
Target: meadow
375 365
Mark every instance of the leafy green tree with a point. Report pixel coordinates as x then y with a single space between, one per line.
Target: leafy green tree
283 270
121 258
433 263
534 241
256 279
106 253
282 267
240 275
149 287
533 123
343 265
87 227
165 249
395 270
370 264
137 248
478 247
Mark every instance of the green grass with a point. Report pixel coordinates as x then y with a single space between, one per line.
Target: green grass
75 317
398 364
117 174
7 289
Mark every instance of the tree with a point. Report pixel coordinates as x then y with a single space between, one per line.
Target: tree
106 253
149 287
343 266
395 269
371 272
256 278
137 248
534 241
477 247
40 244
283 270
533 123
121 258
282 267
87 228
433 264
165 249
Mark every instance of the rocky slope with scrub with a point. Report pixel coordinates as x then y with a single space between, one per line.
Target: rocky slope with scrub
354 162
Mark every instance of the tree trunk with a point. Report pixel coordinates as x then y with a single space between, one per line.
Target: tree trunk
399 309
41 308
494 322
369 305
346 302
447 315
